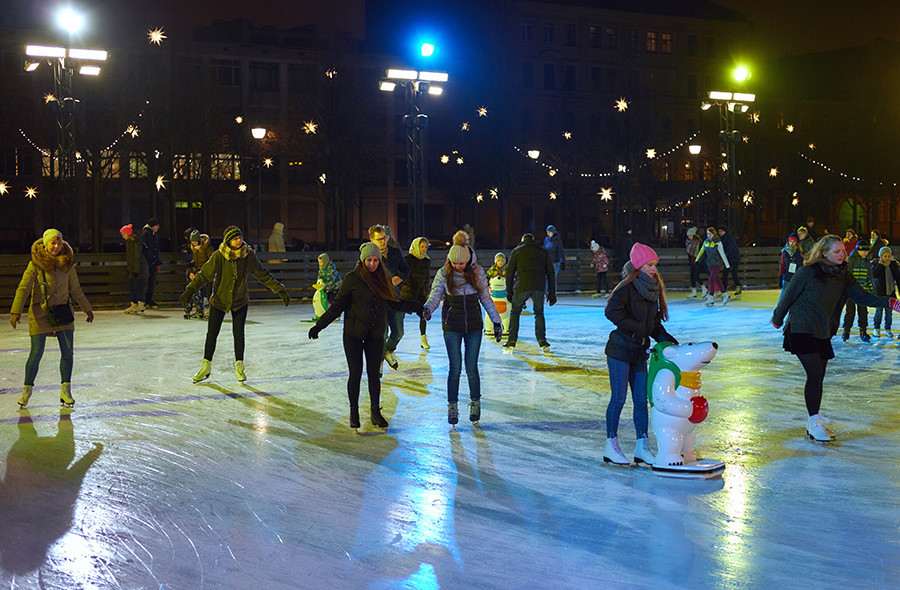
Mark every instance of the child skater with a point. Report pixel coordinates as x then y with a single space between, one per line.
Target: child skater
811 302
600 263
714 251
887 277
416 287
463 287
364 298
496 276
637 307
228 269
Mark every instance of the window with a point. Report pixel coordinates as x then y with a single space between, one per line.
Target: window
596 79
527 79
596 36
610 38
652 42
549 77
710 47
633 40
226 72
666 46
527 31
548 32
186 166
225 167
570 78
137 165
109 164
571 35
692 45
263 75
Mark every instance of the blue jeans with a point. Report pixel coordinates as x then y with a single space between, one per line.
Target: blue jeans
621 375
518 302
66 341
454 341
888 321
394 332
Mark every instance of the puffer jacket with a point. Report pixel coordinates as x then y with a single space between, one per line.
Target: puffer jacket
239 264
416 287
462 302
636 320
135 263
530 269
62 283
202 252
714 252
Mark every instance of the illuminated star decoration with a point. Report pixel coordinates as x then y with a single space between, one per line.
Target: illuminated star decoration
322 178
773 172
267 162
156 36
160 182
621 105
482 112
242 188
651 153
495 193
812 146
748 198
790 128
552 196
479 197
606 194
459 160
239 119
810 180
4 188
754 117
132 131
30 192
465 126
48 98
796 201
445 159
567 134
552 172
310 127
331 72
623 168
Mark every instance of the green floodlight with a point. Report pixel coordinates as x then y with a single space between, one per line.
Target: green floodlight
741 73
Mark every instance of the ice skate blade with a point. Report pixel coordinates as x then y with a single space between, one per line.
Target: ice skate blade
611 462
814 439
699 469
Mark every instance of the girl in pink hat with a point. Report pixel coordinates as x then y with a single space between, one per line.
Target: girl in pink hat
637 307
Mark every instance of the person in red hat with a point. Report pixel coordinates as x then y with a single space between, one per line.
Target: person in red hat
136 268
791 260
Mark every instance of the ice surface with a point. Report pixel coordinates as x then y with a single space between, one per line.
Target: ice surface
155 482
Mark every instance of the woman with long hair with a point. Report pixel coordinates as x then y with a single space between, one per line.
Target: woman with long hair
637 307
416 287
463 287
365 296
47 284
812 302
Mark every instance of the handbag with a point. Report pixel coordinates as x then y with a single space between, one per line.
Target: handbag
57 315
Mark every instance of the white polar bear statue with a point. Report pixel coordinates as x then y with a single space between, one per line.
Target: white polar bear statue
498 295
673 380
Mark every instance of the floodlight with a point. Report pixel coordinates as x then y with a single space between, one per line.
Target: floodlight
435 90
434 76
744 97
427 49
402 74
89 70
70 20
716 95
92 54
43 51
387 86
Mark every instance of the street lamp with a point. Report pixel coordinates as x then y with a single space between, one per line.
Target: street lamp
415 83
260 134
534 155
694 149
729 103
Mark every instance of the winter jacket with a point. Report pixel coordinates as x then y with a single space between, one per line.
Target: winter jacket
876 245
692 247
806 244
529 269
886 282
732 252
553 245
276 239
329 277
623 251
395 265
600 262
150 245
58 272
227 266
637 320
815 297
461 312
862 270
417 286
785 270
135 262
850 245
364 312
714 252
202 252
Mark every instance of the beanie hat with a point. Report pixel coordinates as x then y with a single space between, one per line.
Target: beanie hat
127 229
195 236
232 232
883 250
368 249
152 221
594 246
793 237
723 228
641 255
458 254
50 234
863 245
691 232
802 228
551 228
499 255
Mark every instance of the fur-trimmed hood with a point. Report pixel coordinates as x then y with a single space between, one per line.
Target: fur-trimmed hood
46 262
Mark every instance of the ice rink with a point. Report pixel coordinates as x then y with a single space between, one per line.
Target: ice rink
154 482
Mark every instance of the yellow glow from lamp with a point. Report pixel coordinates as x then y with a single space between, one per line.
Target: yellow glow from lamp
651 153
606 194
445 159
621 105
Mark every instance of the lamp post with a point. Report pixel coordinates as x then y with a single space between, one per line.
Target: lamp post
729 103
694 149
415 83
534 155
259 133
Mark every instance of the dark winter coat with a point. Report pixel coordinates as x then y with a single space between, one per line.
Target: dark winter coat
202 252
784 266
58 273
731 248
529 269
883 279
714 253
636 320
876 247
418 285
815 297
226 264
554 246
395 265
623 251
462 301
150 246
364 312
135 262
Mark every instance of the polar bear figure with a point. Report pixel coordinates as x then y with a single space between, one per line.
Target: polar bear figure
498 295
674 379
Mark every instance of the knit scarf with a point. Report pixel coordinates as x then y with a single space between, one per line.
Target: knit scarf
229 272
647 287
831 270
889 284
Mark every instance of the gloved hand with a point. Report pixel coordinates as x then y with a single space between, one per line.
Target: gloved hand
421 313
895 304
426 314
498 332
314 333
185 297
562 265
777 327
285 298
13 320
551 298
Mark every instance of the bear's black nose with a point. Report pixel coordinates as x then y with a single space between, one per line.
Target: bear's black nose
716 346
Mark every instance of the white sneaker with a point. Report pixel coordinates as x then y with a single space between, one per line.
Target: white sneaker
815 429
613 452
725 298
642 452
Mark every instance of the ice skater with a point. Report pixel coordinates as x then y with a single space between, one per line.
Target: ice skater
600 264
47 284
328 279
228 268
136 269
417 286
713 253
529 275
638 308
887 277
463 288
811 301
366 295
398 271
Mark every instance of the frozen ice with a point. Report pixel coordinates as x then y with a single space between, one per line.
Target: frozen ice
152 481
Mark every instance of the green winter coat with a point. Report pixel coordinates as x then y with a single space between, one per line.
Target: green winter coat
227 267
62 283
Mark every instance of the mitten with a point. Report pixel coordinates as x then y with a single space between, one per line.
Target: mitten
551 298
314 333
185 297
284 297
498 332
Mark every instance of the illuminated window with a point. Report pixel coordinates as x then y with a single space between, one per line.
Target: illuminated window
666 46
225 167
137 165
186 167
652 42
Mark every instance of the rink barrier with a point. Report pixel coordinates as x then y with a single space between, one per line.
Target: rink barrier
105 283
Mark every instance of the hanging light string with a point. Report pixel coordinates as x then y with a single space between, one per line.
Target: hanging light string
828 168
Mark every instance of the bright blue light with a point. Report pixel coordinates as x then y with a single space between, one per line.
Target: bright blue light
427 49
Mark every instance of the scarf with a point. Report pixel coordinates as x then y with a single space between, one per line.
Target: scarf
830 270
647 287
889 284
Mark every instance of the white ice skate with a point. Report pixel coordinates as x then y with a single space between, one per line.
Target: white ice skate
815 429
613 453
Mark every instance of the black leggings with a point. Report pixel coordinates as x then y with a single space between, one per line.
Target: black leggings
238 320
814 365
373 348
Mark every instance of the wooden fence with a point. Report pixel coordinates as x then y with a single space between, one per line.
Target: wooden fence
104 281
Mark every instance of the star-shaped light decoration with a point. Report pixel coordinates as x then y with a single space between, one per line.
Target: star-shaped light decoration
621 105
160 182
810 181
745 138
445 159
795 201
773 172
789 128
4 188
48 98
552 196
479 197
242 188
310 127
482 111
30 192
133 131
267 162
754 117
465 126
724 165
331 72
567 134
748 198
812 146
459 160
606 194
156 36
239 119
552 172
322 178
651 153
623 168
495 193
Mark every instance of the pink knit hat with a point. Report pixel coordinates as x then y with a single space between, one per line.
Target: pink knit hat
641 255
